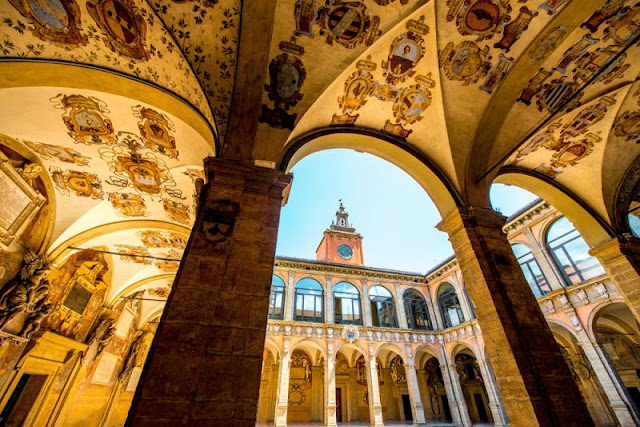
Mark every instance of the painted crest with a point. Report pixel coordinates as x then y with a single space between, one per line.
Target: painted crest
555 94
56 21
586 118
534 86
552 6
347 23
606 11
350 334
627 125
547 44
219 220
357 88
286 76
575 151
134 254
305 14
128 205
482 18
625 27
413 100
123 25
85 119
574 52
515 28
465 62
153 239
592 62
547 170
64 154
405 52
497 73
156 131
81 184
533 145
140 170
177 211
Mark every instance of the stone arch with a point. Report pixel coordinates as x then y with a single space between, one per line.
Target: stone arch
356 350
431 178
308 344
389 348
593 228
424 352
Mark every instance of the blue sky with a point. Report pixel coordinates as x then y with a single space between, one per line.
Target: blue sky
388 208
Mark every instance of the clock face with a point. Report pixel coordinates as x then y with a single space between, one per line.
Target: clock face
345 251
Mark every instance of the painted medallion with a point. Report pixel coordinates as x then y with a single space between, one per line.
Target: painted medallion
85 118
64 154
56 21
348 24
405 52
627 125
482 18
156 131
465 62
122 24
286 76
128 205
357 88
81 184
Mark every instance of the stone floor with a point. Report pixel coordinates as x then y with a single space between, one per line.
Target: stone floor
388 424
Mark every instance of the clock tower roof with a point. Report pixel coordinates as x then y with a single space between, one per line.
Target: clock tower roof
340 242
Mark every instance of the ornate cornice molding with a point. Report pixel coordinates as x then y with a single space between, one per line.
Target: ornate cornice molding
528 216
348 270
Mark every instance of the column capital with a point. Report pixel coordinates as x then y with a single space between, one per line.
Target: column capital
623 245
231 173
471 216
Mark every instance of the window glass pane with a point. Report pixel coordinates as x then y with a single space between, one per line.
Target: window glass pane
379 291
634 224
309 283
520 250
277 281
565 265
559 228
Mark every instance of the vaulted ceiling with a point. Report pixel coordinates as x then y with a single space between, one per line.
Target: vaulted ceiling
478 88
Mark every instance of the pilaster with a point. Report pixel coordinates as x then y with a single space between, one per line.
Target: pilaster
620 257
534 380
366 305
375 407
290 295
330 392
457 404
282 393
329 316
402 315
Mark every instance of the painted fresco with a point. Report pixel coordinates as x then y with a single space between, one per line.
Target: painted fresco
121 35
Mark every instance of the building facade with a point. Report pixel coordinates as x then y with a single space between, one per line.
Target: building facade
347 343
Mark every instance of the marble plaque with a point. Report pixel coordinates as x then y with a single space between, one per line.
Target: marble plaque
133 379
105 368
124 323
20 203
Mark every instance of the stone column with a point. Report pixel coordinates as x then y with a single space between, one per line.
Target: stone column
330 392
274 392
402 315
457 404
328 302
534 380
282 393
495 402
610 382
290 295
375 407
205 360
414 393
366 306
438 322
620 257
353 413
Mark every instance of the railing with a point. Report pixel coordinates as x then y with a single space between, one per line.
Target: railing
567 299
467 329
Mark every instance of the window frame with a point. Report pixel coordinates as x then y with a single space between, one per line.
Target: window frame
299 292
272 298
354 298
383 304
445 296
410 309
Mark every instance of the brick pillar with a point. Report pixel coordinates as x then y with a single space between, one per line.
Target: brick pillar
620 257
204 364
534 380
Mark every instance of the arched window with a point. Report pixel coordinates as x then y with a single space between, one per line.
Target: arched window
634 221
416 309
532 272
449 306
571 253
276 298
309 301
383 310
346 300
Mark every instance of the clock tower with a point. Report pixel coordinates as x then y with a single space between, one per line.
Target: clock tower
340 243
